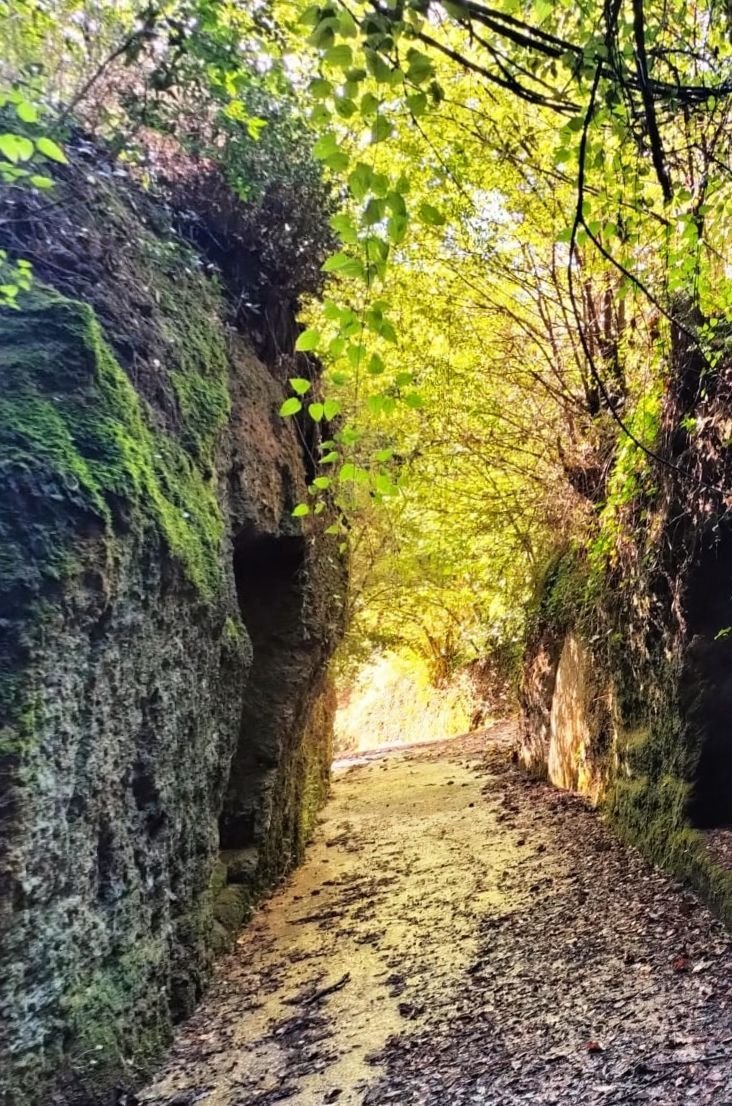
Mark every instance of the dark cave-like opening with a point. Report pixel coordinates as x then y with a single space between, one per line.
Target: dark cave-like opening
707 682
268 572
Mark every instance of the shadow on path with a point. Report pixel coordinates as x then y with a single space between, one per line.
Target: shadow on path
460 934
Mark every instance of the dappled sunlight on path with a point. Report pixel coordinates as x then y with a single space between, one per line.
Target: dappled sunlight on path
460 934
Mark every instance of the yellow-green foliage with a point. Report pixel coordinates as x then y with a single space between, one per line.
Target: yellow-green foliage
393 700
632 473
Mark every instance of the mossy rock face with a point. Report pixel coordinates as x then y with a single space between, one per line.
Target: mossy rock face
649 597
232 907
139 443
123 662
75 432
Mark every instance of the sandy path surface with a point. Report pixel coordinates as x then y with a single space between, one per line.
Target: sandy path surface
459 934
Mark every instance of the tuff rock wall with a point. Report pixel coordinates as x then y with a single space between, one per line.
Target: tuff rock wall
627 683
166 627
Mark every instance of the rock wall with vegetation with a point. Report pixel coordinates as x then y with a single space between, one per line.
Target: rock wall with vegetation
626 685
166 626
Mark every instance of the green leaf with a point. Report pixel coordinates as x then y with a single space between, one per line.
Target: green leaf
28 113
255 126
374 212
379 69
350 322
326 146
383 455
431 216
396 203
291 406
310 17
376 365
330 458
359 181
309 339
340 56
320 88
347 24
320 116
419 67
316 410
331 310
16 148
369 104
336 262
322 482
417 104
331 408
345 107
50 149
39 181
458 11
396 228
323 36
347 471
345 228
381 129
356 354
349 436
414 400
301 510
437 92
300 385
337 161
344 265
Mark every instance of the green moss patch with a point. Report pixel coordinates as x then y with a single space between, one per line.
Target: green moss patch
73 428
105 1035
233 906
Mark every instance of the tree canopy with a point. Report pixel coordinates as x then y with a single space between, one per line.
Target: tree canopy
513 214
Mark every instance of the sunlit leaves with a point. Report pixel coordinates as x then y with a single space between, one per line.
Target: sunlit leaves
344 264
16 147
381 129
420 67
51 150
431 216
308 340
290 407
299 385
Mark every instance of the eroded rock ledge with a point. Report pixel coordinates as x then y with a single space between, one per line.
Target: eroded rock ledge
166 627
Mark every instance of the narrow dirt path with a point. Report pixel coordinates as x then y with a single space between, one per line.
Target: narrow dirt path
459 935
